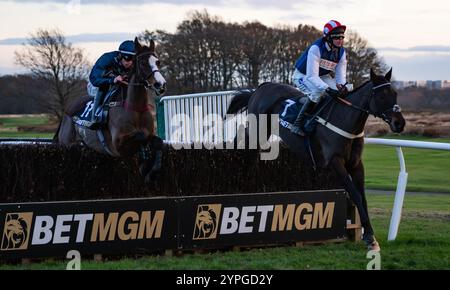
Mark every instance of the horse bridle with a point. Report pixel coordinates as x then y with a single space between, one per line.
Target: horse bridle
383 115
145 82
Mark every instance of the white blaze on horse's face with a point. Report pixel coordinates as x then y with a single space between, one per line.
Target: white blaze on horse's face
158 76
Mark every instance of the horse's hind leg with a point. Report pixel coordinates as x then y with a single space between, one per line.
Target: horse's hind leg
66 133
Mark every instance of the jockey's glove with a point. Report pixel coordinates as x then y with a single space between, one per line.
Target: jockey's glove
332 92
343 91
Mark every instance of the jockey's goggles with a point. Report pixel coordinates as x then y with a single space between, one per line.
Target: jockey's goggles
127 57
337 36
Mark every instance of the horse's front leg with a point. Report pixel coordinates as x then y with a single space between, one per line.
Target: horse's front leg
356 197
357 174
150 158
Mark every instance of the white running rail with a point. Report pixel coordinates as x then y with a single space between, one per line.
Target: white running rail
188 118
403 175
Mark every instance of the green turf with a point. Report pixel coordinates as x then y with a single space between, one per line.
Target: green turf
428 170
25 135
9 125
28 120
423 242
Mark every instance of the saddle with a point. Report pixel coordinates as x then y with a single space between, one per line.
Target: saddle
81 111
291 107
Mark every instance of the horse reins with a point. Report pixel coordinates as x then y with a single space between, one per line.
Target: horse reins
346 134
127 106
145 82
382 115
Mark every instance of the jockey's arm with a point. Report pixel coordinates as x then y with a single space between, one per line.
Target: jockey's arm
341 70
312 68
98 76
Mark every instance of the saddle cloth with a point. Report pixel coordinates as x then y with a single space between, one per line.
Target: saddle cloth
83 116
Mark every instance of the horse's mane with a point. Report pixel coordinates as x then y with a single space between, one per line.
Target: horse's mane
360 86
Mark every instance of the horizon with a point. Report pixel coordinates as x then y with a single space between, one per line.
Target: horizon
415 52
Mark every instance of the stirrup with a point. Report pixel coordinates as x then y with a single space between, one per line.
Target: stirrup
297 130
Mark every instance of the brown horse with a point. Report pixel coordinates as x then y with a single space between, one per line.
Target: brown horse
338 140
130 124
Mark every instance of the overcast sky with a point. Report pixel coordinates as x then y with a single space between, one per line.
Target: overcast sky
411 35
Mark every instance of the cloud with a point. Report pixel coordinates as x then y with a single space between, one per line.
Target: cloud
422 67
11 70
80 38
422 48
122 2
286 4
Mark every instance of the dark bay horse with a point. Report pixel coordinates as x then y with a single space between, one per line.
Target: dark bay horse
130 124
338 141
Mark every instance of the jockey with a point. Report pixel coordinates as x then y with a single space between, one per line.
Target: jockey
313 69
111 68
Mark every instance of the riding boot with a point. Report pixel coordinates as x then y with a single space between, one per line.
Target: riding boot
307 107
96 117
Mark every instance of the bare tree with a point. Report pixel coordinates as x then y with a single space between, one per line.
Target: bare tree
50 58
361 58
209 54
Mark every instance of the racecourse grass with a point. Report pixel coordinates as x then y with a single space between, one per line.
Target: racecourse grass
25 120
428 170
9 126
423 242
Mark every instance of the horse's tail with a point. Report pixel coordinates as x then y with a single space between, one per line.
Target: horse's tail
240 101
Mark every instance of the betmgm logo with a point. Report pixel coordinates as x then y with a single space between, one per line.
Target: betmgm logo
206 222
16 231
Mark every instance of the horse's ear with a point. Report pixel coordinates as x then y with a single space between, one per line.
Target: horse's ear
372 74
388 75
137 45
152 45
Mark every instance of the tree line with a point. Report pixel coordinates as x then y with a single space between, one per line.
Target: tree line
204 54
208 54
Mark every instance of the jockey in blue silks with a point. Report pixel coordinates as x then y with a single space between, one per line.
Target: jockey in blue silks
313 69
111 68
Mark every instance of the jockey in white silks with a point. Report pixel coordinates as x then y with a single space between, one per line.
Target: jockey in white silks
313 69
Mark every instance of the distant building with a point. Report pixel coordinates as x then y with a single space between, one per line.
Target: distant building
421 84
445 84
437 85
409 84
399 85
429 84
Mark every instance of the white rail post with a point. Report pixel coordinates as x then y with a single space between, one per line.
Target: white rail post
399 197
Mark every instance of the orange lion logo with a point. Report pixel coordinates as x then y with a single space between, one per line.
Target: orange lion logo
16 231
206 221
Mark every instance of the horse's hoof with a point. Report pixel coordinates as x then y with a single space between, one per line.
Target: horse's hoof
374 247
371 243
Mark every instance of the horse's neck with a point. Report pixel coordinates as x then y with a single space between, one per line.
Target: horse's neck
136 95
354 120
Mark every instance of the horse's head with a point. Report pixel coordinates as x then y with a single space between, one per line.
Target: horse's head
147 67
384 101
